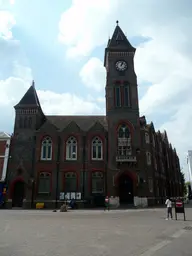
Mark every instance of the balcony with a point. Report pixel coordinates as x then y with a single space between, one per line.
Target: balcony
123 142
126 158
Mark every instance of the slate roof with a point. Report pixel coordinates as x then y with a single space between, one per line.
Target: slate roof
30 98
84 122
4 135
119 40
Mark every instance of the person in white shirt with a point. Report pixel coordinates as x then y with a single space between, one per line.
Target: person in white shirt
169 208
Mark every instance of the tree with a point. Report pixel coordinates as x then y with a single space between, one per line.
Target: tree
183 187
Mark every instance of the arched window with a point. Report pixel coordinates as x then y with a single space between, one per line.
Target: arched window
44 186
71 149
97 149
30 122
97 182
20 122
25 122
123 131
148 156
147 140
70 182
46 149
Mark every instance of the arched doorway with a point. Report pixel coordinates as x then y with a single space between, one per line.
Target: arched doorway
18 193
125 189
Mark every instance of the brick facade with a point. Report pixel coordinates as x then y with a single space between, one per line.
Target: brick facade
118 154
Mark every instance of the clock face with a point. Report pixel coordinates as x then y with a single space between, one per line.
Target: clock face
121 65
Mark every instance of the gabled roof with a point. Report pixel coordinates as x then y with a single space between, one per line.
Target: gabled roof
30 98
119 40
4 135
84 122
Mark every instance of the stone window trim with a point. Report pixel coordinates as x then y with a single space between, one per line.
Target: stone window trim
150 184
148 158
71 148
147 138
46 149
153 140
97 143
45 175
117 96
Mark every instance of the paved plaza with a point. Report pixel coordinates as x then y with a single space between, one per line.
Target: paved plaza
94 233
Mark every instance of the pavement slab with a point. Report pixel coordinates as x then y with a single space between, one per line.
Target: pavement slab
142 232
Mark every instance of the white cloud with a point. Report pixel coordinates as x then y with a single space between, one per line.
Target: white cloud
165 61
84 22
13 89
93 74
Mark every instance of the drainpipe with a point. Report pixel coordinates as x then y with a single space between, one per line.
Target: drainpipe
32 171
57 177
84 161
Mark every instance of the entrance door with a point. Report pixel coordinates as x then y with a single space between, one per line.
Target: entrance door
18 194
125 189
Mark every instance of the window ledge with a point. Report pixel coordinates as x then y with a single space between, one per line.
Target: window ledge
96 159
44 193
46 160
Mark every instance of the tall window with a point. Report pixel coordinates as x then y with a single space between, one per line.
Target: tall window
150 182
124 144
97 149
71 149
148 156
25 122
126 96
147 140
30 122
70 182
155 162
20 122
117 96
97 182
44 183
153 140
46 149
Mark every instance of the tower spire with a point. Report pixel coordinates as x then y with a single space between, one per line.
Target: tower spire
119 40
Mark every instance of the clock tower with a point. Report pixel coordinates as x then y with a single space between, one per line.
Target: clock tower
122 108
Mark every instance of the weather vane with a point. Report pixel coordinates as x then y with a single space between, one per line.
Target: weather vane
117 22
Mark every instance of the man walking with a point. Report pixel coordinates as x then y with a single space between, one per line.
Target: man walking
169 208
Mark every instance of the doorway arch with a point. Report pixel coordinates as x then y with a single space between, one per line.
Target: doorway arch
18 193
126 195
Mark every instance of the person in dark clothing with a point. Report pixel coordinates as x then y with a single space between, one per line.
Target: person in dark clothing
72 203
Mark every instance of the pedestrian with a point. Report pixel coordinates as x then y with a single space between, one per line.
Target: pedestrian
169 208
106 203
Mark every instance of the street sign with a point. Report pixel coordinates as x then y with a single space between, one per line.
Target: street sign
179 208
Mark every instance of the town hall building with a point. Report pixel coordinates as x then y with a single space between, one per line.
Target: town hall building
89 157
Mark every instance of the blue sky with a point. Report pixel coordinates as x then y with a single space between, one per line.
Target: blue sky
61 46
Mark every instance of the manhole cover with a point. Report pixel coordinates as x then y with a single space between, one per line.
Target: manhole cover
188 228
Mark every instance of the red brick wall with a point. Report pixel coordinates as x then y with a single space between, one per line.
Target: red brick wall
2 153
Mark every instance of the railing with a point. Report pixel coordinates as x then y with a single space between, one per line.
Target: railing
125 158
124 142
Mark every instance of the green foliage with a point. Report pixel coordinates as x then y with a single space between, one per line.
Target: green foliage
184 187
